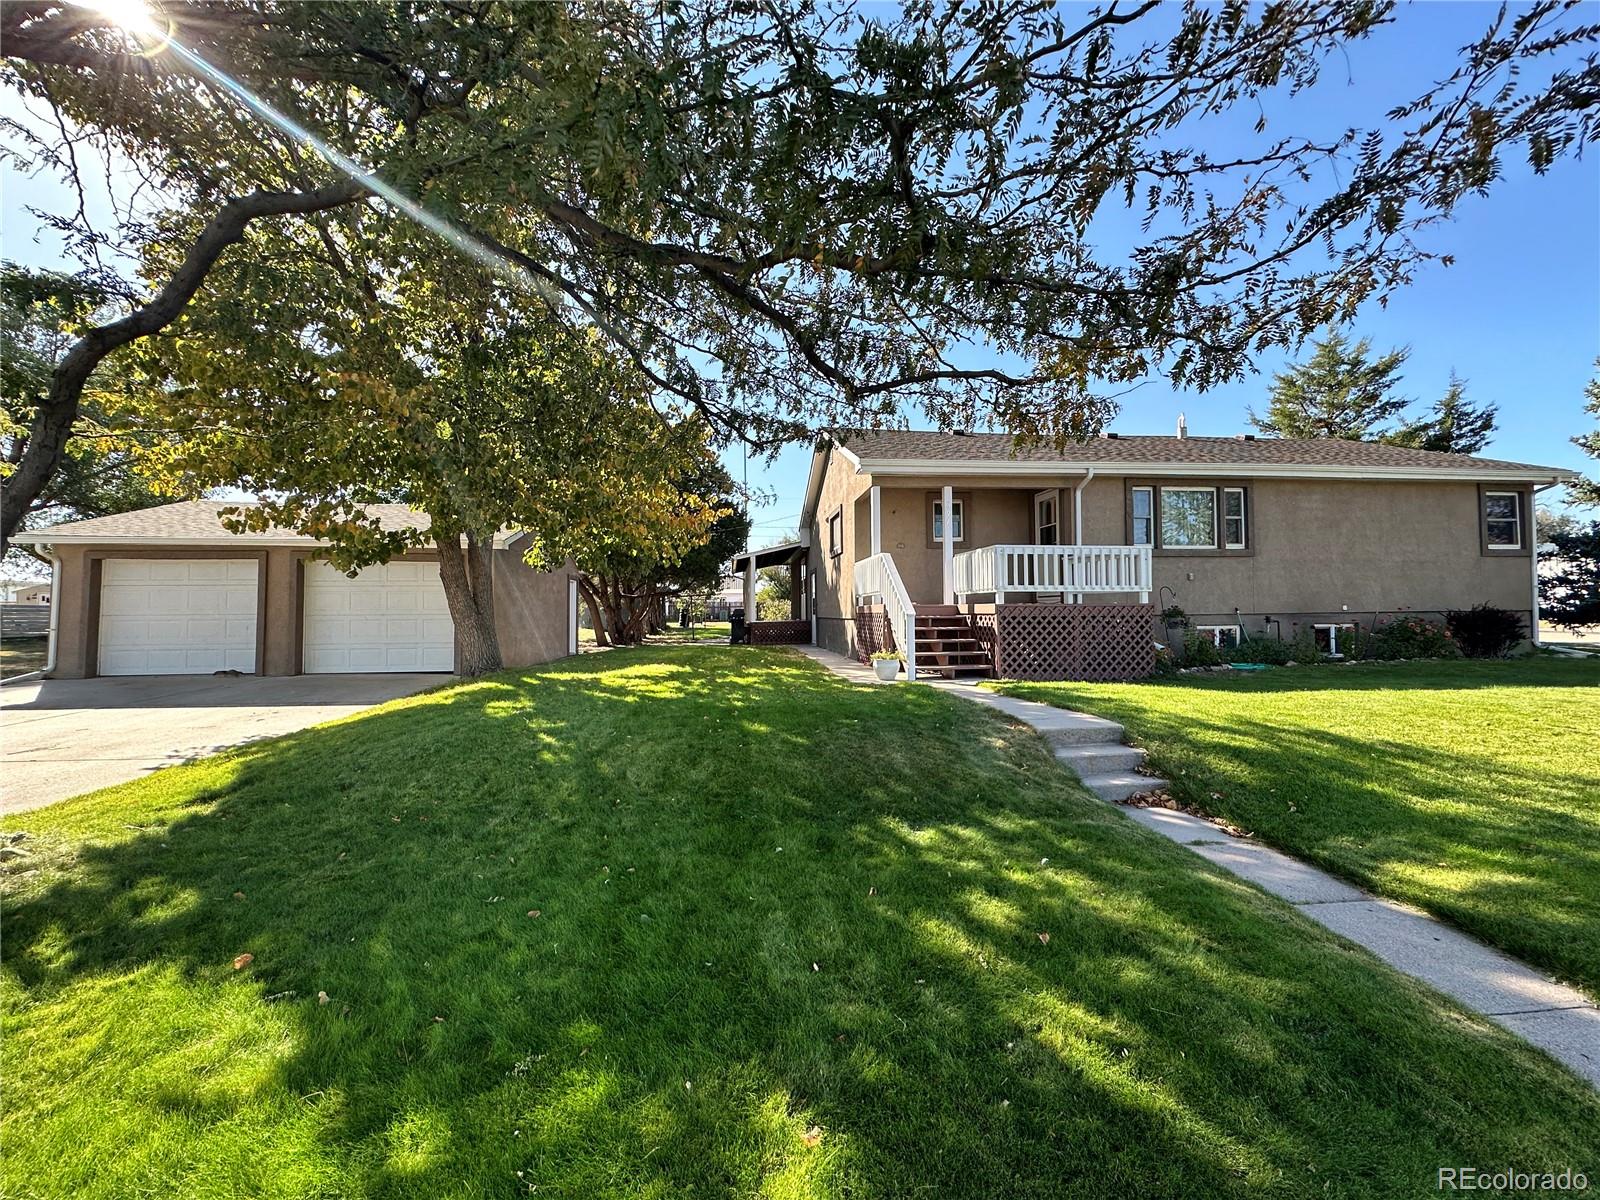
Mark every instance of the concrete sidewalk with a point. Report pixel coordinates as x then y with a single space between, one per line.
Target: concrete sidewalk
64 737
1560 1020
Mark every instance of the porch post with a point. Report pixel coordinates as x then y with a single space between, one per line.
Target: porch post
794 590
947 508
875 502
750 589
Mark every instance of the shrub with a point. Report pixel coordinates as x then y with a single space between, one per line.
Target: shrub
885 656
1413 637
1569 590
1199 651
1484 631
772 608
1260 650
1303 650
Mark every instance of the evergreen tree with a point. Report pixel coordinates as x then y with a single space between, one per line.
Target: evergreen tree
1453 425
1340 392
1587 491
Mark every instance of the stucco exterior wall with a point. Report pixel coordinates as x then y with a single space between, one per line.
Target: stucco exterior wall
530 609
530 606
841 490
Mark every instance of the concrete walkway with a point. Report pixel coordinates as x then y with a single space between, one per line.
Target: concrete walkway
1558 1019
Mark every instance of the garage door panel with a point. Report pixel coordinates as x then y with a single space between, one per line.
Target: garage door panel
390 617
177 616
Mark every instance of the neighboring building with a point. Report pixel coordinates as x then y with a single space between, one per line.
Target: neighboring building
1248 535
169 591
30 593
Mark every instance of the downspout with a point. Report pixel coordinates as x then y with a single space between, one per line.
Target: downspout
1077 514
55 618
1533 557
1077 506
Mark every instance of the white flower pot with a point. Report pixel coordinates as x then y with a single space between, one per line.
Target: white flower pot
888 669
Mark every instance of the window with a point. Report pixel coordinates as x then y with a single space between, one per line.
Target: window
1223 637
1330 637
957 528
1502 520
1233 518
1189 518
1045 523
1143 522
836 533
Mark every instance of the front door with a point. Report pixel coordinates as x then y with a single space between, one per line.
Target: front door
1046 521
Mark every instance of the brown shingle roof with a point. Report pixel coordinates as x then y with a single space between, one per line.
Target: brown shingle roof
1208 451
197 521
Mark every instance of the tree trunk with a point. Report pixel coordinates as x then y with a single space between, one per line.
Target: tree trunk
586 590
469 591
53 422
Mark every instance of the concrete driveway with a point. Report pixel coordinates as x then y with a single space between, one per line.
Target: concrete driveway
64 737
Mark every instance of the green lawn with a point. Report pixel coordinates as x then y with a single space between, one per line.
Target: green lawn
19 655
703 921
1469 789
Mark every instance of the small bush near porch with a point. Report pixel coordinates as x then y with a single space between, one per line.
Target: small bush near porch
703 921
1469 789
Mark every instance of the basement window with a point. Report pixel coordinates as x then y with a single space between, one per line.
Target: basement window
1334 640
1223 637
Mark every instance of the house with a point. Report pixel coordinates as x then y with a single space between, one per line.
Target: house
29 593
170 591
980 555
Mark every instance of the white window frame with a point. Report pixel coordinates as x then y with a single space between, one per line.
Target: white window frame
1161 520
836 533
1243 518
1213 634
959 512
1333 628
1150 515
1052 497
1515 518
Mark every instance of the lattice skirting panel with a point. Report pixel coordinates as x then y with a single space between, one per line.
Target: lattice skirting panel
873 632
779 633
1072 641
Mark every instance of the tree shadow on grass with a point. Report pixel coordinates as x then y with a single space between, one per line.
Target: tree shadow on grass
790 937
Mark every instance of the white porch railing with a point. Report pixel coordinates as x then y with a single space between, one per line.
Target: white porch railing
1071 570
878 576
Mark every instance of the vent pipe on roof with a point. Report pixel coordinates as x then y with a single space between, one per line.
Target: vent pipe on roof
1183 426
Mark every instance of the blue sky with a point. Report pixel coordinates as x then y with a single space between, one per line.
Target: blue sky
1517 316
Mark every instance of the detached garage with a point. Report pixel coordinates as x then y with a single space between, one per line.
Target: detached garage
169 591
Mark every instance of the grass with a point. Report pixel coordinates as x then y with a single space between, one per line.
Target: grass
703 921
1469 789
19 655
704 631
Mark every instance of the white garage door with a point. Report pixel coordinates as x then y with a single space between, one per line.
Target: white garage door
177 616
391 617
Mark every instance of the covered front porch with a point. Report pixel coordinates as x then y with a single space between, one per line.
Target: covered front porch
954 603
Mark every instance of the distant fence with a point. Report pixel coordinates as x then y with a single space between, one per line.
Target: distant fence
779 633
24 620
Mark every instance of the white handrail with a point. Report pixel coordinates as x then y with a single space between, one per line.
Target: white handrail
1071 570
878 576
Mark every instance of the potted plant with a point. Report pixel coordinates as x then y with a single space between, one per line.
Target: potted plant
887 664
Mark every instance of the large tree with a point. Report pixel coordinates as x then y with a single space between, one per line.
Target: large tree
791 215
1586 492
1569 586
1454 425
331 387
1342 391
626 581
40 312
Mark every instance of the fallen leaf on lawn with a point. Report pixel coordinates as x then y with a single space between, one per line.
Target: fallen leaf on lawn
438 1020
813 1135
815 967
238 895
1045 938
872 891
534 912
341 856
243 961
322 997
